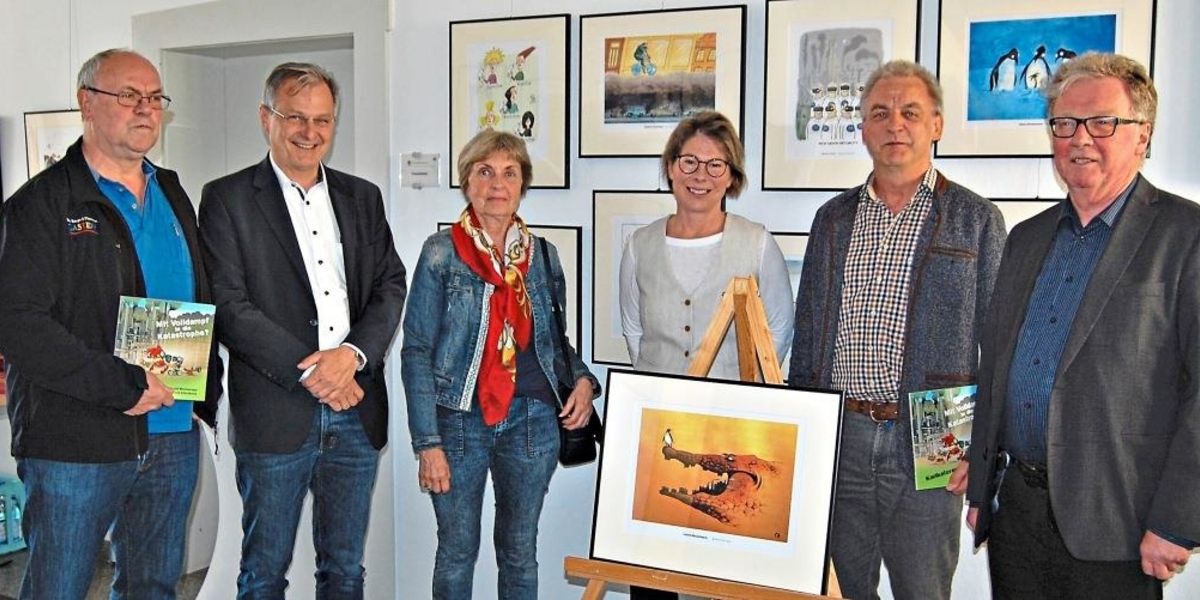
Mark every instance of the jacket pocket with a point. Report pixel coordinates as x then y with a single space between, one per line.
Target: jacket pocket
943 380
955 252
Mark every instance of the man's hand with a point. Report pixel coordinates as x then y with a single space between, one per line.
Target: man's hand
578 407
1160 558
340 400
433 474
332 378
156 396
972 517
958 479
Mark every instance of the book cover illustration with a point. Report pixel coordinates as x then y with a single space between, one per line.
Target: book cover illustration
941 432
170 339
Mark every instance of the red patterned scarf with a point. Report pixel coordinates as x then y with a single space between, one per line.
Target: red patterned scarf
510 323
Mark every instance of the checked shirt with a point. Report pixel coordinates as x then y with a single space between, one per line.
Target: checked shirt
869 351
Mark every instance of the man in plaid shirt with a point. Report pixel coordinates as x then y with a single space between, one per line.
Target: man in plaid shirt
896 281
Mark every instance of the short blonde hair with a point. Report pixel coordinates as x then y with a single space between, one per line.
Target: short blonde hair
488 142
1094 65
717 127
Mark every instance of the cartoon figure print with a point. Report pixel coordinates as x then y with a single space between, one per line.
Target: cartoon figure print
526 128
490 118
487 69
510 101
516 72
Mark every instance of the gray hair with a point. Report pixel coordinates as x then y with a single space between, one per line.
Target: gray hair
87 72
486 143
304 74
906 68
1094 65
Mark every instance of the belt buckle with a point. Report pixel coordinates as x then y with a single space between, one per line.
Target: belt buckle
871 413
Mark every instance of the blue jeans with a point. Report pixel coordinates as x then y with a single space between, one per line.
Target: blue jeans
338 464
521 453
71 506
879 514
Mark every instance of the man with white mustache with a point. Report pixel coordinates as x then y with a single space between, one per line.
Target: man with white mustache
896 280
1087 427
309 292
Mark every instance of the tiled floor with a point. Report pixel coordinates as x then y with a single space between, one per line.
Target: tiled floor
12 567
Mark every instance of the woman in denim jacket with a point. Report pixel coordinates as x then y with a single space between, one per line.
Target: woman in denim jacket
479 362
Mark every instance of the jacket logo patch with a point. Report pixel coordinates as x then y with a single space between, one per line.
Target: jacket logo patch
82 226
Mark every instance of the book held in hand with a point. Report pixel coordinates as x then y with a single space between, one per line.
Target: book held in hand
170 339
941 432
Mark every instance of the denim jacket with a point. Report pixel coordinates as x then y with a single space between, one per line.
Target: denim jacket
444 334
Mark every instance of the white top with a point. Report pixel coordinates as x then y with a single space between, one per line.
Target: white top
320 243
690 261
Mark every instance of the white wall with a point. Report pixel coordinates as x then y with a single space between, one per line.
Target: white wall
420 43
44 42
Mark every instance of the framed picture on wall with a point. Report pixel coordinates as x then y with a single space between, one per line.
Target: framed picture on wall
615 216
729 480
48 134
640 73
792 244
568 240
512 75
996 58
818 61
1016 210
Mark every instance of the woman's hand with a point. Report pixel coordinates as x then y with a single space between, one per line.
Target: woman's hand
578 407
433 474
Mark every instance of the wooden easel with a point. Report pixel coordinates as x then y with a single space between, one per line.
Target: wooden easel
756 355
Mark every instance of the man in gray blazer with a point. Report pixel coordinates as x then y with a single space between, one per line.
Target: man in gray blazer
896 283
1087 425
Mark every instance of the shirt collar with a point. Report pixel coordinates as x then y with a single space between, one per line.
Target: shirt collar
285 182
928 180
148 169
1108 215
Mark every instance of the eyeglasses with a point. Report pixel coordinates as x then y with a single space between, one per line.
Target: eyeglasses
1097 127
299 121
131 98
688 163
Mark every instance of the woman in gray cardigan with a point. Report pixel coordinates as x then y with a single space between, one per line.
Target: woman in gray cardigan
674 270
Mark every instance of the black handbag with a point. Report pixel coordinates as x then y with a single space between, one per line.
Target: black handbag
575 446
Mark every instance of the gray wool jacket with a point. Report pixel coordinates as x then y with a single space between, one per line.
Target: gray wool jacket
954 267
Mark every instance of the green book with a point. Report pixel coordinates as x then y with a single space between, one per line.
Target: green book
170 339
941 432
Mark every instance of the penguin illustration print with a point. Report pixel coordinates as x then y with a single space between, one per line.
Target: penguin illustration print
1063 56
1037 73
668 440
1004 74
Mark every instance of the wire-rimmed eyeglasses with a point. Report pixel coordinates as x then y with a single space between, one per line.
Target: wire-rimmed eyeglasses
299 121
131 98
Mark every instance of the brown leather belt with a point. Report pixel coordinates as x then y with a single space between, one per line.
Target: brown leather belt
878 411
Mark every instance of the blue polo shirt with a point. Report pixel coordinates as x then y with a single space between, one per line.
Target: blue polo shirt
1051 310
166 265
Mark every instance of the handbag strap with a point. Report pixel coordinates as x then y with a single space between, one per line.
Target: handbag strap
555 307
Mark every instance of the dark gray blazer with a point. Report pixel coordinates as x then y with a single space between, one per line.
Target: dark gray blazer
1124 425
266 316
954 265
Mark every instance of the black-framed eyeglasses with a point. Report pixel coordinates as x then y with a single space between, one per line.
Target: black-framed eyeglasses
1097 127
688 163
131 98
299 121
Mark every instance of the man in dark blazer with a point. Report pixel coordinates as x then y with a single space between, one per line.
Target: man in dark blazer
309 293
1087 425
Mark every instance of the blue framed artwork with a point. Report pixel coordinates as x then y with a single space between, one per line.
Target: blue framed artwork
995 60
